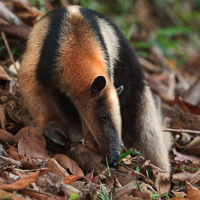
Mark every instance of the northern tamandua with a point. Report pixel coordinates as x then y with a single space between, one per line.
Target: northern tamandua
75 63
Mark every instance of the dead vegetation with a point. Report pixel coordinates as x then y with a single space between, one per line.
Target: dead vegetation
28 170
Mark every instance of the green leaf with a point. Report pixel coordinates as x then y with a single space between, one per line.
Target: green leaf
109 174
104 195
173 31
123 155
137 168
144 45
74 196
136 152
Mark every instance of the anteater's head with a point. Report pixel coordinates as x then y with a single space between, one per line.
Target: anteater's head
104 119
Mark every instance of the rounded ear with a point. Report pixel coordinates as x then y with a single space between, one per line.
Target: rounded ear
120 90
98 85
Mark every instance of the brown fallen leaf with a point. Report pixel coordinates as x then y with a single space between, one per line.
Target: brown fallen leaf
182 157
30 131
90 178
187 176
109 182
8 195
180 194
70 179
21 32
179 198
68 163
6 137
55 168
29 14
126 197
33 148
22 182
32 143
2 117
127 189
162 182
141 194
9 161
69 190
5 79
35 194
14 153
192 192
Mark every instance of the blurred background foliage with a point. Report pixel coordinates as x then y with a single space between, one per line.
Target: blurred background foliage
167 32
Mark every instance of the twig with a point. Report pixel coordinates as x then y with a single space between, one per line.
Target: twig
181 131
8 49
37 191
7 15
148 65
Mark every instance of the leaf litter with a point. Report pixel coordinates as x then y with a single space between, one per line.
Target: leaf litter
29 170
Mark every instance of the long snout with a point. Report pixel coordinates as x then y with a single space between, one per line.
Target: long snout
109 147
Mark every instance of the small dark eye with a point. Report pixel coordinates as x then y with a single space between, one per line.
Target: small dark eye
104 116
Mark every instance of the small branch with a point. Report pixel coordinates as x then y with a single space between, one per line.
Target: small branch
148 65
7 15
8 49
181 131
37 191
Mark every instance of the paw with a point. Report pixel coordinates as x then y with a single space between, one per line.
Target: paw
55 135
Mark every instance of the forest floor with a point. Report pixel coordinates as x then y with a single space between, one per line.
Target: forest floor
28 170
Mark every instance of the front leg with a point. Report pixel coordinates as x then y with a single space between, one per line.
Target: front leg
141 126
55 135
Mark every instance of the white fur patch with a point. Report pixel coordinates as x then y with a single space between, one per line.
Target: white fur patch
111 42
115 110
74 9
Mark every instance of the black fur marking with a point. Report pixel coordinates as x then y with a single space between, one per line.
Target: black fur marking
68 107
91 17
49 52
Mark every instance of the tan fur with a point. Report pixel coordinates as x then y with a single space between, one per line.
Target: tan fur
38 100
152 139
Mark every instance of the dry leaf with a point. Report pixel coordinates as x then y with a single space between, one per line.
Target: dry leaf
109 182
162 182
5 79
69 190
7 195
127 189
141 194
10 161
21 32
29 14
192 192
30 131
126 197
2 117
68 163
179 198
183 157
70 179
22 182
90 178
32 147
180 194
55 168
187 176
31 143
6 137
34 194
